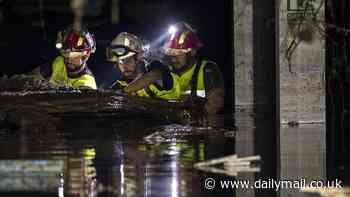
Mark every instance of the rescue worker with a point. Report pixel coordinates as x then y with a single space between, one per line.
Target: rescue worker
197 77
139 76
70 67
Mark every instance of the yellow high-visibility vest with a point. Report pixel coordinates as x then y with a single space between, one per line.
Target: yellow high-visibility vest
59 76
185 81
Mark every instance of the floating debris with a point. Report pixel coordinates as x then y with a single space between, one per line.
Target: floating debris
231 165
22 83
298 123
154 138
29 90
174 132
22 95
230 134
293 123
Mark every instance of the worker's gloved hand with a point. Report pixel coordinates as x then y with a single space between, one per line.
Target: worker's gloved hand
118 88
129 93
121 91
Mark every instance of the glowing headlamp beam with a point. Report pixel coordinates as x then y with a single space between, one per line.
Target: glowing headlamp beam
59 45
172 29
146 47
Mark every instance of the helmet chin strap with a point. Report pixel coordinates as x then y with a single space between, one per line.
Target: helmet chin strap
190 61
138 70
78 70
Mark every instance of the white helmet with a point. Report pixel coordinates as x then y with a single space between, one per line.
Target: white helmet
123 46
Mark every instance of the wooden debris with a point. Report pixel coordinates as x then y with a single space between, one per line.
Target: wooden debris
231 165
29 94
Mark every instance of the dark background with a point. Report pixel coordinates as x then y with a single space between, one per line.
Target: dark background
29 27
338 89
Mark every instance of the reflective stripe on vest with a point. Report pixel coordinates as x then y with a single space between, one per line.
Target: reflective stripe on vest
59 76
185 81
200 93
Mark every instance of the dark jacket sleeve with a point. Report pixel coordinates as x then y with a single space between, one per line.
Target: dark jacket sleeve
46 70
166 83
213 78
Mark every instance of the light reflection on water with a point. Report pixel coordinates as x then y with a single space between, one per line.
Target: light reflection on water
108 157
102 159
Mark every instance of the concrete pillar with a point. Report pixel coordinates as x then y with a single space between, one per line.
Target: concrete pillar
243 86
302 86
256 84
279 93
266 91
243 53
303 155
302 93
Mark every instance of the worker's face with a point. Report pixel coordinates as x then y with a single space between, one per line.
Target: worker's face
74 63
128 66
179 61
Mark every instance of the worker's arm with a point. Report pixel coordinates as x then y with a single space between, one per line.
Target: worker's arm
43 71
215 90
143 81
156 73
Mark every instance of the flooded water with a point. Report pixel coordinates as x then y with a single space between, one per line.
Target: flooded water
106 156
91 156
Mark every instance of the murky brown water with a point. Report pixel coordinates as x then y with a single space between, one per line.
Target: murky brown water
90 156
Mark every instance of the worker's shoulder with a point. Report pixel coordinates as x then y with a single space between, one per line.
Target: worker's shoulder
87 71
156 64
211 66
58 59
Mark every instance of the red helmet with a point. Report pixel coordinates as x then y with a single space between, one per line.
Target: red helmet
73 43
182 39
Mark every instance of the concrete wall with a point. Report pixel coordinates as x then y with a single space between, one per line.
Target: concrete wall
302 96
302 90
243 44
243 62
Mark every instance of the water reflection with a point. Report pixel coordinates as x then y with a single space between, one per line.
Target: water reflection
109 157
